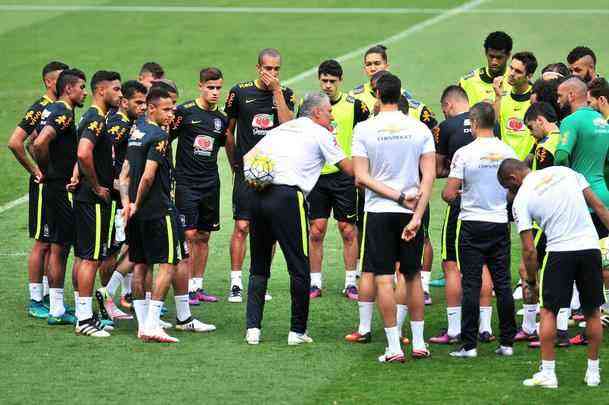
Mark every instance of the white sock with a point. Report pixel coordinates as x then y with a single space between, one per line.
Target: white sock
84 308
418 342
548 366
36 291
235 279
148 296
141 311
393 339
425 279
402 313
316 280
593 366
45 285
198 283
182 307
485 319
530 317
350 278
453 314
191 285
154 315
562 319
57 308
365 316
575 304
126 284
116 280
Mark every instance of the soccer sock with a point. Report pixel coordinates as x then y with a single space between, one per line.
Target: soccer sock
453 314
316 280
485 319
562 319
350 278
425 279
365 317
235 279
191 286
141 310
393 339
36 292
76 296
84 307
575 304
116 280
402 313
126 284
182 307
148 296
198 283
548 366
529 318
154 315
593 366
418 343
45 285
57 308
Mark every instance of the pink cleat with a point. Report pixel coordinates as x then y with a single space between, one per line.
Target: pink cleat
202 296
351 293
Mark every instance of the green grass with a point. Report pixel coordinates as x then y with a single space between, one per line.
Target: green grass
52 364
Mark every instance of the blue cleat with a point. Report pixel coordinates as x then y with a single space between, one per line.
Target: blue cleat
65 319
36 309
439 282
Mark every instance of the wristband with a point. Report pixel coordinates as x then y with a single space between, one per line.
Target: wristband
401 198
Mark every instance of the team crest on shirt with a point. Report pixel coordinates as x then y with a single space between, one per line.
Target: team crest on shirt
262 123
33 116
161 147
63 120
203 145
217 124
95 127
515 124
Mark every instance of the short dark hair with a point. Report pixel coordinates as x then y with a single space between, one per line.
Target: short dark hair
541 109
454 91
483 114
389 87
165 84
579 52
499 41
272 52
330 67
509 166
154 69
599 88
53 66
155 94
558 67
131 87
403 104
67 78
547 91
375 77
528 60
103 76
210 73
380 49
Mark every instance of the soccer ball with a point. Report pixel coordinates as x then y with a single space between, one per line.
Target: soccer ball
258 171
604 245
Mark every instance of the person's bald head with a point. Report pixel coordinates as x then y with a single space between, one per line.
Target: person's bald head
511 173
572 94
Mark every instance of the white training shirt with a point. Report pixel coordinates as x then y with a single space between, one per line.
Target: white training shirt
299 149
393 144
476 164
553 199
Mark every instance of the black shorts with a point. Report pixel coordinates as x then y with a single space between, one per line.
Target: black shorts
242 195
449 232
38 226
561 269
383 245
601 230
156 241
92 228
334 192
199 207
425 222
60 215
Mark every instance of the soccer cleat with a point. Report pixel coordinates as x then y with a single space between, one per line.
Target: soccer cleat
202 296
252 336
445 339
604 321
127 301
100 297
351 293
427 298
389 357
90 327
164 325
235 294
439 282
464 353
159 335
38 310
295 339
106 324
357 337
421 353
46 300
65 319
314 292
504 351
517 294
542 379
485 337
579 340
193 299
523 336
592 378
115 312
194 325
562 338
164 310
577 316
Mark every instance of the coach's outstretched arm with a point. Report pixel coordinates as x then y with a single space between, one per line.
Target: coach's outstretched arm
597 205
427 165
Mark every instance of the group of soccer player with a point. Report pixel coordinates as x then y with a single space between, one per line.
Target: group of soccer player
112 187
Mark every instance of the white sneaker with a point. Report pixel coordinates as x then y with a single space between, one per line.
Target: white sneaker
517 293
504 351
159 335
542 379
389 357
267 297
298 338
164 325
464 353
252 336
592 379
235 294
194 325
90 329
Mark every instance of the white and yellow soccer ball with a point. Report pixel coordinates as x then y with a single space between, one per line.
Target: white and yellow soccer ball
258 171
604 245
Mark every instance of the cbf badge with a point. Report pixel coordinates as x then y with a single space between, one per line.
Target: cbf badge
604 245
217 124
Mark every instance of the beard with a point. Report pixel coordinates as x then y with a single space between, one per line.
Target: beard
588 77
564 110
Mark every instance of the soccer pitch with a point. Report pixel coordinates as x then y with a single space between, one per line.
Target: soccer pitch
430 43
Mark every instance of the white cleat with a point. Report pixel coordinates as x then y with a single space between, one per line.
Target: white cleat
541 379
235 295
252 336
164 325
90 329
504 351
295 339
464 353
114 312
194 325
158 335
389 357
592 379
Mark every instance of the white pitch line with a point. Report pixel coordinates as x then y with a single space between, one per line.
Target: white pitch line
394 38
290 10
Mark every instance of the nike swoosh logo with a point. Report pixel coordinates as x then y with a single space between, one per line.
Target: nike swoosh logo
249 101
195 122
351 216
